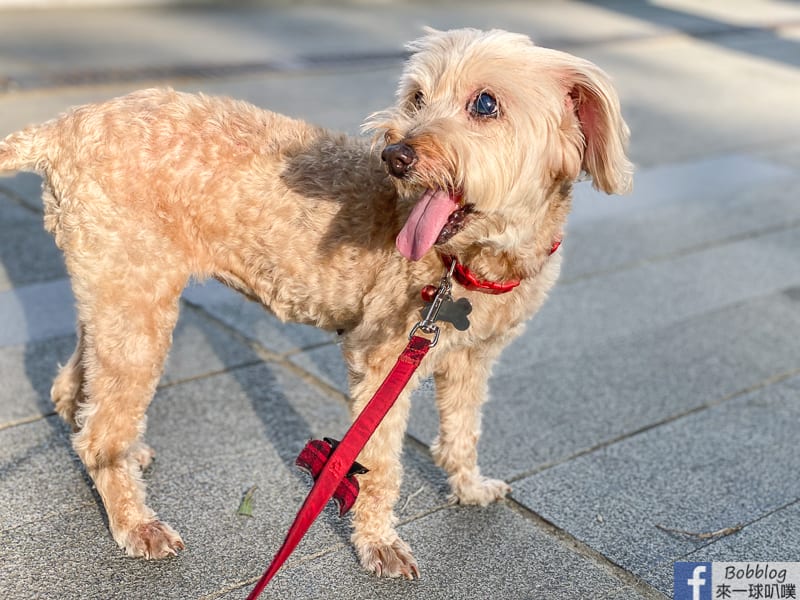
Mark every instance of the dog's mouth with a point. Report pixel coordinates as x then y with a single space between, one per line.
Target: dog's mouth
437 217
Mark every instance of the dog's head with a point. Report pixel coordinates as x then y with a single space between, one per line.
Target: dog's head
487 127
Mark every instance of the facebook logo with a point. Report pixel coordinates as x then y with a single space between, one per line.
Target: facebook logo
692 581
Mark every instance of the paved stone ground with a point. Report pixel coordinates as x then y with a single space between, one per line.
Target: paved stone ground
657 390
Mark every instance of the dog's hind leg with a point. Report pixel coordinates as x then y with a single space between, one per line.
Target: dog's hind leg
67 395
461 379
128 314
67 390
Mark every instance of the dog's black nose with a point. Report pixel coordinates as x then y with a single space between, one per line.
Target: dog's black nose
399 158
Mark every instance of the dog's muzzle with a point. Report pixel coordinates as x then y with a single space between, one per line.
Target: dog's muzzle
399 159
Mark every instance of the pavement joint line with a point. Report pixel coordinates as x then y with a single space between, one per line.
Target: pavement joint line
304 375
419 444
683 252
582 549
232 587
297 561
310 378
713 541
161 386
268 355
319 554
773 144
772 512
79 508
650 426
165 385
742 527
324 62
207 374
627 266
309 348
191 72
27 420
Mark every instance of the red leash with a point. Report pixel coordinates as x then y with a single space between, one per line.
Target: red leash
332 464
344 454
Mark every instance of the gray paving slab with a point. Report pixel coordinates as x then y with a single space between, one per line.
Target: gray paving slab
690 98
787 154
678 208
455 547
669 115
199 348
36 312
27 371
20 110
659 294
23 187
326 364
200 502
546 412
27 253
727 466
215 437
251 320
369 88
103 39
32 489
696 17
673 300
774 537
107 39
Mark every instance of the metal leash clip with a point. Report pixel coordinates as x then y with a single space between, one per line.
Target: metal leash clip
443 294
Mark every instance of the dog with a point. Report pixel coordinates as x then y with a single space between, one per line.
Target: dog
474 163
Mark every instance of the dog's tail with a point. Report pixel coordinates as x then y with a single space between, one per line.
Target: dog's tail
24 150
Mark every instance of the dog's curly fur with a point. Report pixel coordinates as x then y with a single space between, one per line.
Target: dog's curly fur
146 191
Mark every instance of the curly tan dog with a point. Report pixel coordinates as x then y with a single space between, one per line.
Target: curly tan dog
146 191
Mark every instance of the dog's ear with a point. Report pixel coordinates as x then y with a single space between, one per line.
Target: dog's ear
605 134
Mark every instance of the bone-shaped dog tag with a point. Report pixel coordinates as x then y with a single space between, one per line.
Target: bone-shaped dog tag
453 312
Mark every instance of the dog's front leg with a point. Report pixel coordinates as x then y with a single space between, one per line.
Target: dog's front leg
377 543
461 379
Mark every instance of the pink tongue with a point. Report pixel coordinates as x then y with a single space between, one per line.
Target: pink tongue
425 223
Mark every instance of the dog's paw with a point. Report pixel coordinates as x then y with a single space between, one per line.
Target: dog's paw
153 539
480 491
388 560
142 455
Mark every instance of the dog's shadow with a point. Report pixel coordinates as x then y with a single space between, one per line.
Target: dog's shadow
273 394
36 261
341 170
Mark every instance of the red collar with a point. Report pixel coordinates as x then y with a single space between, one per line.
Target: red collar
467 279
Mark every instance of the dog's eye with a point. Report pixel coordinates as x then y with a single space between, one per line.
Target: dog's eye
419 100
484 105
